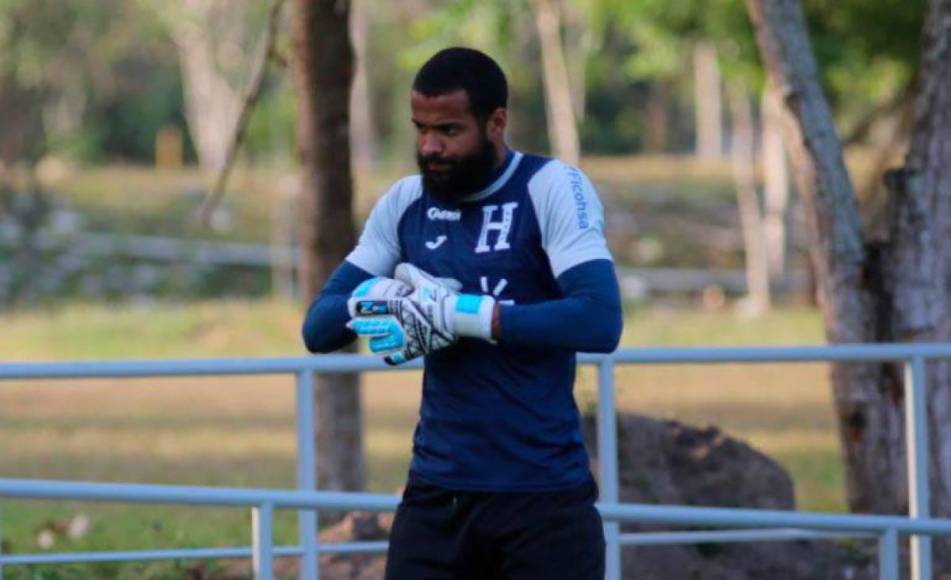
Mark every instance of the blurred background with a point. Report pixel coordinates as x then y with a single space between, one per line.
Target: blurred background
116 117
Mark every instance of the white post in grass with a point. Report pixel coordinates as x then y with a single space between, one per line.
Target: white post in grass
262 528
607 462
916 442
1 544
888 555
306 474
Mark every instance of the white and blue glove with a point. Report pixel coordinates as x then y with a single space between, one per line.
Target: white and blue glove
378 288
371 297
432 317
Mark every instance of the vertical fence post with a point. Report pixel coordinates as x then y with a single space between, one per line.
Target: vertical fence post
1 543
607 462
306 473
916 445
888 555
262 528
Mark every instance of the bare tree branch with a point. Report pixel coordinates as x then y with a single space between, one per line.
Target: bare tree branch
897 103
251 95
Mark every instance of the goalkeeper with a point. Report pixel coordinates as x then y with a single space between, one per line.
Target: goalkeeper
493 266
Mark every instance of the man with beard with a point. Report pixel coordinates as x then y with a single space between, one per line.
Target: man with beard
492 264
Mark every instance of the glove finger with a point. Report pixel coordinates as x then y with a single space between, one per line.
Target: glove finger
450 283
410 274
388 343
398 358
365 287
375 326
414 276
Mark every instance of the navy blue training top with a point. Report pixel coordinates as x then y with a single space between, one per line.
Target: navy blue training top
498 417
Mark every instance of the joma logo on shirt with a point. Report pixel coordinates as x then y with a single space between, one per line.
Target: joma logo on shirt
434 213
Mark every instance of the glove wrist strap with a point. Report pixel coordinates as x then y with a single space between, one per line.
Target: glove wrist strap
471 315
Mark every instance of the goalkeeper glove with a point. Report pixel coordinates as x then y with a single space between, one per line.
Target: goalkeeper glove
378 288
430 318
369 297
462 314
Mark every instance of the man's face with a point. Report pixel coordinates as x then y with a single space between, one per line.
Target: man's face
455 153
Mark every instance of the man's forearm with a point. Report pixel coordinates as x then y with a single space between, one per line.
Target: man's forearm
325 327
587 319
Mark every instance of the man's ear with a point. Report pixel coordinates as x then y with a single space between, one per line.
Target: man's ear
497 123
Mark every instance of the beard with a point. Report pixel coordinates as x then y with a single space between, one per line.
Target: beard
463 176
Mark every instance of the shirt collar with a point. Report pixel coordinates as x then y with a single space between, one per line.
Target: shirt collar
502 176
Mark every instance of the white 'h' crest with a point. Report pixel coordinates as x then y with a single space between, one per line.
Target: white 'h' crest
502 227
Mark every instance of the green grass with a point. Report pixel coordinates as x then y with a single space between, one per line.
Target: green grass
240 431
143 200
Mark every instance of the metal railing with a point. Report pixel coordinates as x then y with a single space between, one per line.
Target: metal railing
752 525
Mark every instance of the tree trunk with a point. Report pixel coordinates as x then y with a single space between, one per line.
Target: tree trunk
323 71
918 252
751 220
659 102
894 291
361 113
708 104
870 417
283 217
579 38
562 128
776 185
23 134
212 104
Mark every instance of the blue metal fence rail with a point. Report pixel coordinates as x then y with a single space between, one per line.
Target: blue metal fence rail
763 525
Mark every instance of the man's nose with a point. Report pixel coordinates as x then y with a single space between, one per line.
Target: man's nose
430 144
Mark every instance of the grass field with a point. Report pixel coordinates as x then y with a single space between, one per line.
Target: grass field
240 431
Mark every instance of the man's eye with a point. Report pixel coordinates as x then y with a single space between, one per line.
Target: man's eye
451 131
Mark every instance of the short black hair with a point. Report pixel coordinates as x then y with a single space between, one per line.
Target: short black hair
467 69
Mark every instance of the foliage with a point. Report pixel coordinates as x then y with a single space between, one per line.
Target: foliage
97 80
867 49
101 82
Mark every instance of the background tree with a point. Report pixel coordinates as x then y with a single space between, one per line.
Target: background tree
556 33
363 136
214 39
54 63
776 188
742 155
559 108
323 72
896 288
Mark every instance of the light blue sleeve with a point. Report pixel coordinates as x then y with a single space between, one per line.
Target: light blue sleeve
378 250
570 216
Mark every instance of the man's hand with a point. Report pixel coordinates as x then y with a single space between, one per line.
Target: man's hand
378 288
430 318
425 314
369 300
404 326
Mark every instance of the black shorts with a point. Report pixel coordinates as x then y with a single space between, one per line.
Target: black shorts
439 533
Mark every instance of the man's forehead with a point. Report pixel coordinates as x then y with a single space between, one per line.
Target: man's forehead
453 105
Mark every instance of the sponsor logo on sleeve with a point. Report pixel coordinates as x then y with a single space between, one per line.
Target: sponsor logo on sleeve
577 192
